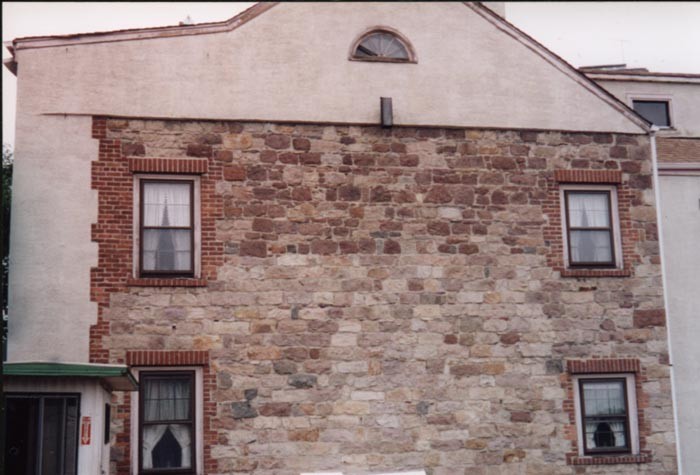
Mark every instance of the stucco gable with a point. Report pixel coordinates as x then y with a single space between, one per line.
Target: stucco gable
291 64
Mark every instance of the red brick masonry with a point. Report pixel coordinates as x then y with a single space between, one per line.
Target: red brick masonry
599 366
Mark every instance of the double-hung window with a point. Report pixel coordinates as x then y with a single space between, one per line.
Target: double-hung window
167 237
167 431
606 414
591 226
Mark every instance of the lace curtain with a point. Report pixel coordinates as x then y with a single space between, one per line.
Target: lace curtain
589 210
167 205
166 400
605 414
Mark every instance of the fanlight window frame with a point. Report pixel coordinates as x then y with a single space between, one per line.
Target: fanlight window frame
410 51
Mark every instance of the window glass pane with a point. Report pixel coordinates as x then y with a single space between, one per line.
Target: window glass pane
604 398
383 45
166 399
166 204
21 431
167 446
590 246
655 112
167 249
605 433
589 210
51 437
71 451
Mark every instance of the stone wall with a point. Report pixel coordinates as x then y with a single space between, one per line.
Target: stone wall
385 299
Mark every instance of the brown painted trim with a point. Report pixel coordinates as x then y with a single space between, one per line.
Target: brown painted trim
609 229
191 421
142 228
623 450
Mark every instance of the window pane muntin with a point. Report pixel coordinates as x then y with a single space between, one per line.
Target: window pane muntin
606 389
603 254
175 426
167 204
589 209
656 112
382 45
167 399
177 266
590 246
167 249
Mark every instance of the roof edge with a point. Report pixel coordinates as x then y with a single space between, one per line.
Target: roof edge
133 34
673 78
561 64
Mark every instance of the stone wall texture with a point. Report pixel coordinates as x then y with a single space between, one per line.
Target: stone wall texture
386 299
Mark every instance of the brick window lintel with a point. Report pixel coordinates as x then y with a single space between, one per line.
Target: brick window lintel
168 165
588 176
603 365
167 358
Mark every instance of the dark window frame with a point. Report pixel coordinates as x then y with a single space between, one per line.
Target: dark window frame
665 102
610 229
411 59
628 435
42 396
157 273
192 421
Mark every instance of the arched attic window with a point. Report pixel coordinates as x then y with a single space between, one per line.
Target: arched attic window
382 44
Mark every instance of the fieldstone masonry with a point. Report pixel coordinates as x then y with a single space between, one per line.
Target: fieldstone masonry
388 299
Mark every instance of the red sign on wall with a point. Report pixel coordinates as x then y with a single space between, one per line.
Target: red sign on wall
85 427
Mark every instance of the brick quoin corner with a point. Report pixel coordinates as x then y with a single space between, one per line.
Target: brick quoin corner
395 299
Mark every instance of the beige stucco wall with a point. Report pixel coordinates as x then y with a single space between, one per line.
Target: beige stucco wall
289 64
680 197
684 102
51 252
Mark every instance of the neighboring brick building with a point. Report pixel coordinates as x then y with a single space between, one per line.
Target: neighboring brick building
304 282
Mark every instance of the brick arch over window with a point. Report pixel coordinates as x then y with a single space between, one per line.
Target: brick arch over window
395 35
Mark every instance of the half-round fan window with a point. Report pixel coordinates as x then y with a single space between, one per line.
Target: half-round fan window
381 45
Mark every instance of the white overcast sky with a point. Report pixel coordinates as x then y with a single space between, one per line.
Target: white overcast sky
661 36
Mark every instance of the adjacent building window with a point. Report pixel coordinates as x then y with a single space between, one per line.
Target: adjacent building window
382 45
167 422
42 434
606 414
656 112
167 238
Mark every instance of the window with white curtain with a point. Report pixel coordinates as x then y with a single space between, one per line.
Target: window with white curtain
606 414
591 226
167 225
167 422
